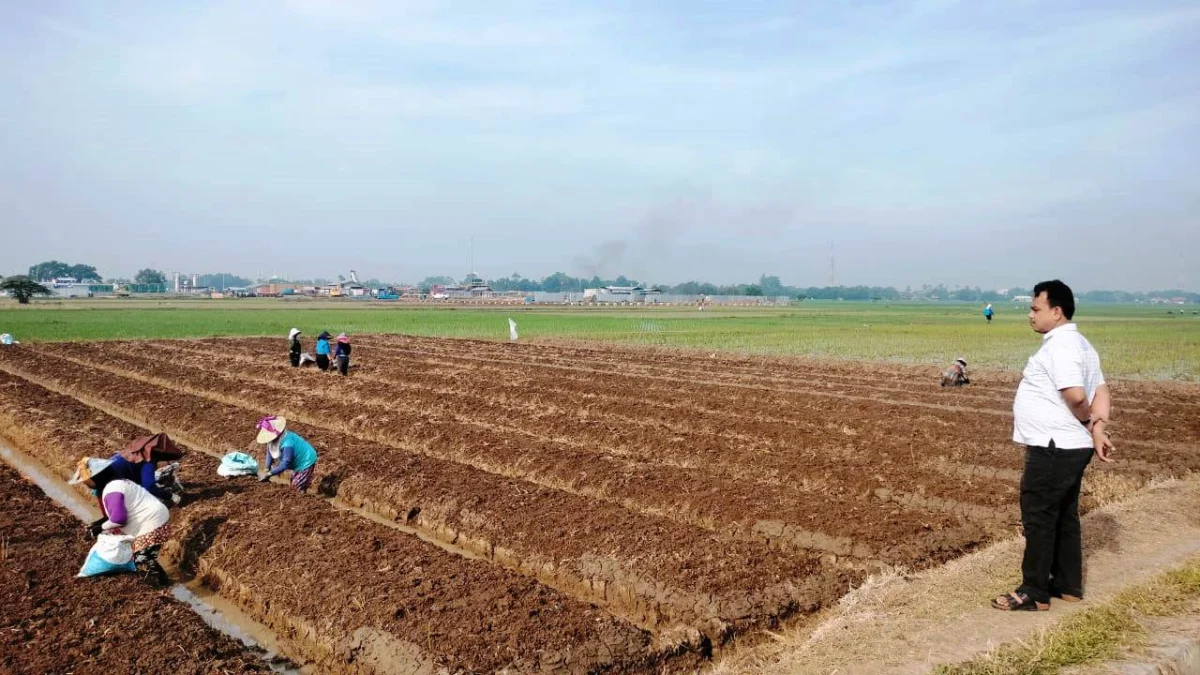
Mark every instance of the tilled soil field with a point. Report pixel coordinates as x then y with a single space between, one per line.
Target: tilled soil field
662 503
55 623
341 591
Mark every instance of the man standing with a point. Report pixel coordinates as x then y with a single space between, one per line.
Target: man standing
1060 414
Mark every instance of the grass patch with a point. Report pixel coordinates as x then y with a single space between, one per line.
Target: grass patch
1093 634
1133 341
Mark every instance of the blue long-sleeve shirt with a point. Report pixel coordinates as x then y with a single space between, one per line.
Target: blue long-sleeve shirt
295 453
141 473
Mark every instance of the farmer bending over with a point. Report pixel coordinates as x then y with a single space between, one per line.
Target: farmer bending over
286 450
128 509
956 374
294 348
139 460
343 353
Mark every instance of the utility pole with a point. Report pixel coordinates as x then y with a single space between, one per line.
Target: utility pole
833 272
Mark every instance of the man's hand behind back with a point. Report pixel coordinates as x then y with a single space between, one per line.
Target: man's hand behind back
1104 445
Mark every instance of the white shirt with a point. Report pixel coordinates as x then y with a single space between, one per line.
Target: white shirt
144 513
1040 414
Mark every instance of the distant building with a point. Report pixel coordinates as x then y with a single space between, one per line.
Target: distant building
69 287
621 294
1022 298
476 286
70 290
472 287
624 290
354 290
268 290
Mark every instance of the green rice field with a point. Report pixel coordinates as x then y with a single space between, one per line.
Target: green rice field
1133 341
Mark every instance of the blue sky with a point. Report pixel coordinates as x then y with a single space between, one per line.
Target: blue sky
933 141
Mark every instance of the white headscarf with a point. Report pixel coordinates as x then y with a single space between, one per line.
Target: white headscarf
293 333
273 448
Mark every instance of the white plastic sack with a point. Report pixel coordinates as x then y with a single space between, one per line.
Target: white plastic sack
512 330
111 554
8 339
238 464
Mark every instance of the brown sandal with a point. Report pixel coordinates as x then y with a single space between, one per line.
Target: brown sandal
1018 601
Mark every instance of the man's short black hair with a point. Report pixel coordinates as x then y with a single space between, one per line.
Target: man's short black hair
1058 295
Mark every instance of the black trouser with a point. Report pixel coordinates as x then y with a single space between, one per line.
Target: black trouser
323 361
1050 515
146 561
294 357
343 364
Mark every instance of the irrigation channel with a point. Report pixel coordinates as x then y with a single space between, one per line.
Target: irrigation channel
214 610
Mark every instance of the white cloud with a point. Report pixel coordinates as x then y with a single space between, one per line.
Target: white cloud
559 121
441 102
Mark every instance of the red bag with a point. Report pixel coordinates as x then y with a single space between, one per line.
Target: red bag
156 448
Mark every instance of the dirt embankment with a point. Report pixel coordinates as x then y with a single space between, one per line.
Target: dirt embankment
54 623
780 515
619 501
345 593
911 418
648 569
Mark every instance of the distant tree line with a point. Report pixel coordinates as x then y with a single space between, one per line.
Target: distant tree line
52 269
769 285
1124 296
222 280
560 282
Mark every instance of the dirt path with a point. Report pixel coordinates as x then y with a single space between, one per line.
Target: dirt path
901 626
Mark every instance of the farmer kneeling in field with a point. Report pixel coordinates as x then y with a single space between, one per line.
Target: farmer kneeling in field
286 450
956 374
343 353
138 463
128 509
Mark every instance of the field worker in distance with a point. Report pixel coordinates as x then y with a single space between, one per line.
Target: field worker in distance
956 374
128 509
1060 414
343 353
286 450
294 348
987 312
323 350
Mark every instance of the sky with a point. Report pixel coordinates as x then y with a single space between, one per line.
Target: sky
921 142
